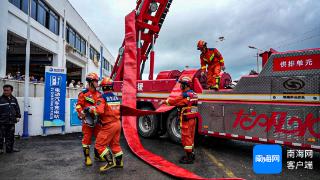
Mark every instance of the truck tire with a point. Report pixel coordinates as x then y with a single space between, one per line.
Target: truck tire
148 125
173 126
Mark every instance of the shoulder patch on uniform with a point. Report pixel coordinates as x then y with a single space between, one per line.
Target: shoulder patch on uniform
84 90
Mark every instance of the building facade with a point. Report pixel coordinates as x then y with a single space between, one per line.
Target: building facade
58 36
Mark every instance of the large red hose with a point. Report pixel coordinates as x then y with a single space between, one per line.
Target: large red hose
129 99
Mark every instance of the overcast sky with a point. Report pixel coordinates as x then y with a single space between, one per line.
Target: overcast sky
279 24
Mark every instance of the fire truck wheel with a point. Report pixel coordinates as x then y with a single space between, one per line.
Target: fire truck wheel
148 125
173 127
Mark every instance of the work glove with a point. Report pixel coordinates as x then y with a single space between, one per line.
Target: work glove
162 102
82 115
86 110
202 73
89 109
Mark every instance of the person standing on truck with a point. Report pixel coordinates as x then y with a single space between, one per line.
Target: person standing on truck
188 112
87 98
213 58
107 145
9 115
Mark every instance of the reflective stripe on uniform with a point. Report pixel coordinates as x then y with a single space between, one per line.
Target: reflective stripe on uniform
104 152
211 57
167 102
217 80
95 111
7 104
188 147
222 60
78 107
113 103
118 154
203 67
188 107
89 99
85 145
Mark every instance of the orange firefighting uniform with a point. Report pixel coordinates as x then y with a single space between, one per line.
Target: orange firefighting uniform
187 106
87 98
215 61
108 107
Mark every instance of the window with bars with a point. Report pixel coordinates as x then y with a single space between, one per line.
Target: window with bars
106 64
94 54
21 4
75 40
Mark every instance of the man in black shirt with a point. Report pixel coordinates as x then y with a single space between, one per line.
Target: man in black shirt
9 115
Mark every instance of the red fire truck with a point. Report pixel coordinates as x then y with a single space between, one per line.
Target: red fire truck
279 105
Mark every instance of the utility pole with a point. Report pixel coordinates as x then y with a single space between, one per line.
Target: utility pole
26 80
252 47
101 62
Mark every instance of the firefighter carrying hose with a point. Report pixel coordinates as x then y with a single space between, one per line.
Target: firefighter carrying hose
188 112
108 140
86 99
213 58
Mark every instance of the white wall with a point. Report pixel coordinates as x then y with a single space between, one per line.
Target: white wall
3 36
36 119
15 20
40 35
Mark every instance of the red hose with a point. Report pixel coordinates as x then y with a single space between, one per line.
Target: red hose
129 99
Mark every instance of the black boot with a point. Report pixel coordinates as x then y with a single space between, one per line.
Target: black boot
97 156
193 155
216 88
12 150
110 162
1 144
187 159
9 149
119 161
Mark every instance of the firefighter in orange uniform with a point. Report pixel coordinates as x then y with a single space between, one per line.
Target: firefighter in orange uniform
108 139
188 112
86 99
215 62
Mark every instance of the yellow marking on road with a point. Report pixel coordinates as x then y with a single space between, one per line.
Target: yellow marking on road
215 161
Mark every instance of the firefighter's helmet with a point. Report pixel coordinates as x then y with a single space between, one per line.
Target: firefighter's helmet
201 44
186 81
92 77
106 84
106 81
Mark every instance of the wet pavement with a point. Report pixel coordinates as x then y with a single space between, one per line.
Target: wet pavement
60 157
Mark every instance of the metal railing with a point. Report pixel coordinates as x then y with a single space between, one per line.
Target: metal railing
35 89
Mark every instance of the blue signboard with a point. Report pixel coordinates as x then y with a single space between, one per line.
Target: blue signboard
55 97
74 120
